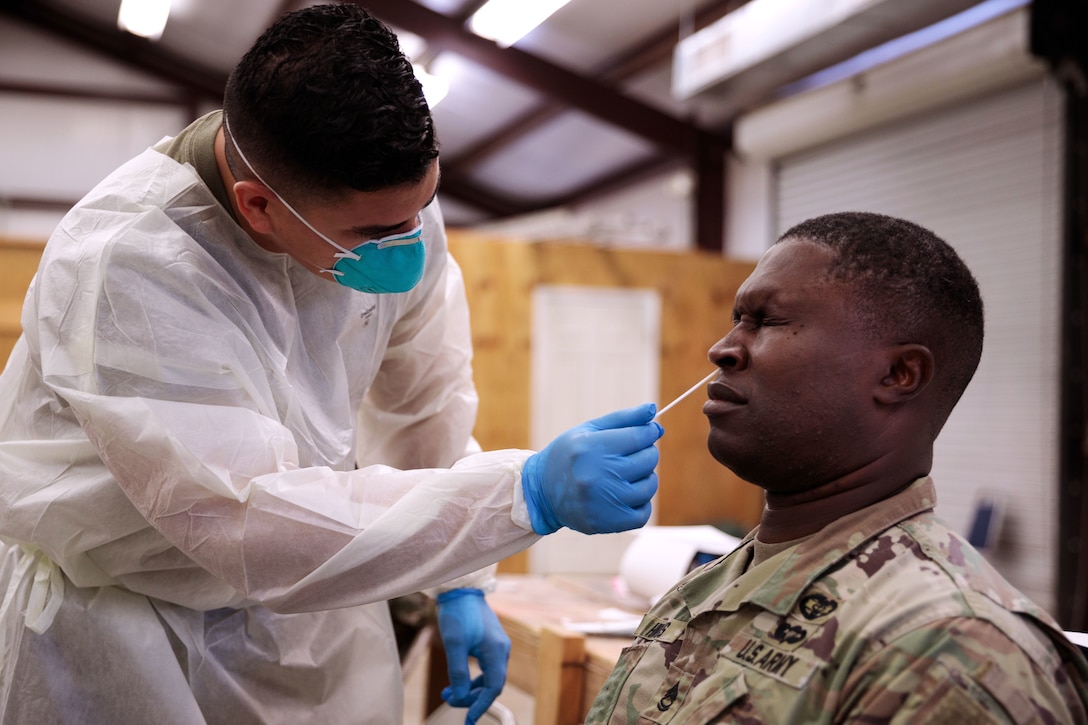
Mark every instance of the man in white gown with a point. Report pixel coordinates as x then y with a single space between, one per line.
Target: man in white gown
239 418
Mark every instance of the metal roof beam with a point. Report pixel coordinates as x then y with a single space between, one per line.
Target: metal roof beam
121 46
588 95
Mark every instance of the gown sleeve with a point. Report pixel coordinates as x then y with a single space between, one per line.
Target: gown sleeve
170 383
421 407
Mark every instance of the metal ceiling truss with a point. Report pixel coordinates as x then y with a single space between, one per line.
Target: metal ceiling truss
702 151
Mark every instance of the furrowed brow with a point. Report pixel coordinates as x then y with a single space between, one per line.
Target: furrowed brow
380 231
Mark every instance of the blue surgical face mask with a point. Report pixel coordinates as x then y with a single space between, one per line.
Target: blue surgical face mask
393 263
389 264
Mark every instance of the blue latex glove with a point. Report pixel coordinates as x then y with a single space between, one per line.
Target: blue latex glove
595 478
469 627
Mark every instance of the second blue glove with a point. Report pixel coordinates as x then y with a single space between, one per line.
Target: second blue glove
468 627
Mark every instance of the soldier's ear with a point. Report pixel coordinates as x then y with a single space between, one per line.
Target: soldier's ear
909 369
253 198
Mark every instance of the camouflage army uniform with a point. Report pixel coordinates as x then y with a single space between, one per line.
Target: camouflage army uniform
884 616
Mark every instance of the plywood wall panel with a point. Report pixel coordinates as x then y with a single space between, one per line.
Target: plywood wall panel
18 263
697 291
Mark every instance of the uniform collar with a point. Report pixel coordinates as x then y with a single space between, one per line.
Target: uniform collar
778 582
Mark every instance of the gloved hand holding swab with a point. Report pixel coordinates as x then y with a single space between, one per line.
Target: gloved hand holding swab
686 393
597 477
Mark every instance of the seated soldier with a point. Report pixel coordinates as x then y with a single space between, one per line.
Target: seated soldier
850 602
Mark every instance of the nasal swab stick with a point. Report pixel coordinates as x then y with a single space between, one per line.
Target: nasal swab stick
685 394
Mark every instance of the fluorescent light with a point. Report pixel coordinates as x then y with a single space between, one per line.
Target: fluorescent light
435 87
146 18
508 21
411 45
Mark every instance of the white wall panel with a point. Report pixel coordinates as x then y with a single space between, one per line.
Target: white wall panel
29 55
594 350
60 148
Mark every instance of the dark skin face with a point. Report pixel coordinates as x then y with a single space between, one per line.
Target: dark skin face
821 414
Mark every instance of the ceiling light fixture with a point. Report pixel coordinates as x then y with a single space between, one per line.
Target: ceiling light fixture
435 87
411 45
146 18
508 21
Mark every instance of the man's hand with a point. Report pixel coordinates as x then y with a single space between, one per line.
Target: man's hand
469 628
595 478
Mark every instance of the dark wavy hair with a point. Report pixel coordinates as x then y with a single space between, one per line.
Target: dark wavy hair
325 102
910 287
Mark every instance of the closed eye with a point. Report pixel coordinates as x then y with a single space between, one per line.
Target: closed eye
756 320
747 319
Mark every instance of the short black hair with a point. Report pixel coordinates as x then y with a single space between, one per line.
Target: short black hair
911 286
325 101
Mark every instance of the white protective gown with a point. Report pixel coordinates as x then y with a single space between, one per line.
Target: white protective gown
199 444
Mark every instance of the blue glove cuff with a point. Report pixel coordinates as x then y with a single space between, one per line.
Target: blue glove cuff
457 594
540 514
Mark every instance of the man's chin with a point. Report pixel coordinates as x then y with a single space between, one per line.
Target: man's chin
738 464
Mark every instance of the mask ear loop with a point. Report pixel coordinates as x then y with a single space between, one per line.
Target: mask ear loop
343 253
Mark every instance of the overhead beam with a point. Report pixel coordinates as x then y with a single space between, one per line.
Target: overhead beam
469 193
461 165
616 180
41 89
673 135
644 54
145 57
34 203
121 46
568 87
709 172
